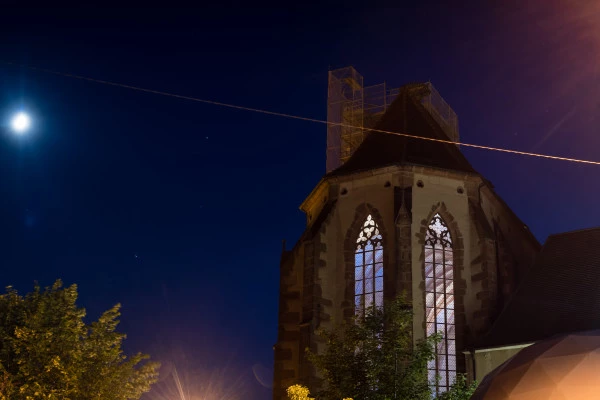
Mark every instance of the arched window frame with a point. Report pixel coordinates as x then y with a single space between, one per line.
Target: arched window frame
440 303
368 267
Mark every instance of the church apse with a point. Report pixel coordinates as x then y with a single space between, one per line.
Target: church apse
398 215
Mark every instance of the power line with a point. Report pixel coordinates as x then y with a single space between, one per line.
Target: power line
297 117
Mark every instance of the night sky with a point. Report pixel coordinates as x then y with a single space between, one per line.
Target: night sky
177 209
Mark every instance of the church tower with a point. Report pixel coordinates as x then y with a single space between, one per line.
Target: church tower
397 214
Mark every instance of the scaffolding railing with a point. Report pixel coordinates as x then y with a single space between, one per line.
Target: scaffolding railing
441 112
377 99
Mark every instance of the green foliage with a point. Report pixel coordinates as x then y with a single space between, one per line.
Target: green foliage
365 361
374 358
461 390
47 351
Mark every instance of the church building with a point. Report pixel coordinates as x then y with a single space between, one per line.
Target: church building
401 210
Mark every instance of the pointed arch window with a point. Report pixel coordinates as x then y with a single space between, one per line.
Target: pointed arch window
439 303
368 268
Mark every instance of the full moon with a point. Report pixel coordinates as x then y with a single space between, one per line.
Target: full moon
20 122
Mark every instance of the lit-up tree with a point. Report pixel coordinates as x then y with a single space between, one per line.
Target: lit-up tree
373 357
47 351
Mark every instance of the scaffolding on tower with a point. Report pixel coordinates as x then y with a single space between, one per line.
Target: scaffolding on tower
344 115
352 109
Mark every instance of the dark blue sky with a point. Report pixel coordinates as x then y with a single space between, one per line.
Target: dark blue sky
177 209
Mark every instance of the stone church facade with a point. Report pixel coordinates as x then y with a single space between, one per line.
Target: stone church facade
402 215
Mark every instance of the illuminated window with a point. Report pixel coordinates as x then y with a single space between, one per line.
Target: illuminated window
439 303
368 268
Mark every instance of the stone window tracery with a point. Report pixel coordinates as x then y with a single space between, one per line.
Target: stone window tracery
439 303
368 268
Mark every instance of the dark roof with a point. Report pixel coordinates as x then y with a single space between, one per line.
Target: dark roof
406 115
560 294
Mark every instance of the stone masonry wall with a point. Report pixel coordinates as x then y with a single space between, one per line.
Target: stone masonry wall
287 348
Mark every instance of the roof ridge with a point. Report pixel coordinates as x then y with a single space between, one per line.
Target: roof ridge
572 232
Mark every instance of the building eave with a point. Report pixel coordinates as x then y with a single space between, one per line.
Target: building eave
498 348
399 167
304 206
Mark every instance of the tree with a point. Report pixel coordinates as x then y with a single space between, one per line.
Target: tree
374 358
461 390
47 351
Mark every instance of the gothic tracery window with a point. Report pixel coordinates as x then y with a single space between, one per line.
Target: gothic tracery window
439 303
368 268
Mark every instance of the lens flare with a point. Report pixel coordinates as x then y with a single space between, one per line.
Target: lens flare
206 384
